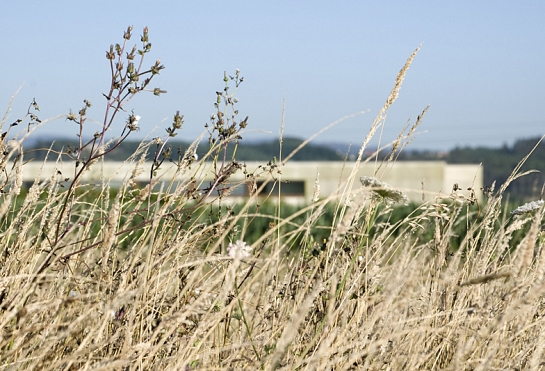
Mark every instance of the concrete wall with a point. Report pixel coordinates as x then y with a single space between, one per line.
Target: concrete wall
419 180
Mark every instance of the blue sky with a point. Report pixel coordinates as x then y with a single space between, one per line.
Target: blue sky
481 66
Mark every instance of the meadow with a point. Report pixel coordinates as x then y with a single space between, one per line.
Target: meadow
171 276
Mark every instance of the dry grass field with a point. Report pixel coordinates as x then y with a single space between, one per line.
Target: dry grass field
143 278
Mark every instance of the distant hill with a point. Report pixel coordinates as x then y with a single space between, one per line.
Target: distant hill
253 151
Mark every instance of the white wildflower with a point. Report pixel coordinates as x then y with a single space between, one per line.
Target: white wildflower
384 191
191 157
239 250
528 208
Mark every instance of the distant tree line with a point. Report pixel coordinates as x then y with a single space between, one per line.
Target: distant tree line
498 164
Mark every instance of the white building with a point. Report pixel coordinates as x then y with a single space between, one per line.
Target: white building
420 180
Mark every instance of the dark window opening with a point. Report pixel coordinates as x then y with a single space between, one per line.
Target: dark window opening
287 188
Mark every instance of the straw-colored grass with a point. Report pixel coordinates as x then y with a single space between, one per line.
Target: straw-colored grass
144 281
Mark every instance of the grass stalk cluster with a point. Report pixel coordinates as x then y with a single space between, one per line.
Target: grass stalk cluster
163 276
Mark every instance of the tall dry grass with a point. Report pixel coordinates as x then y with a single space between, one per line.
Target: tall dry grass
143 280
